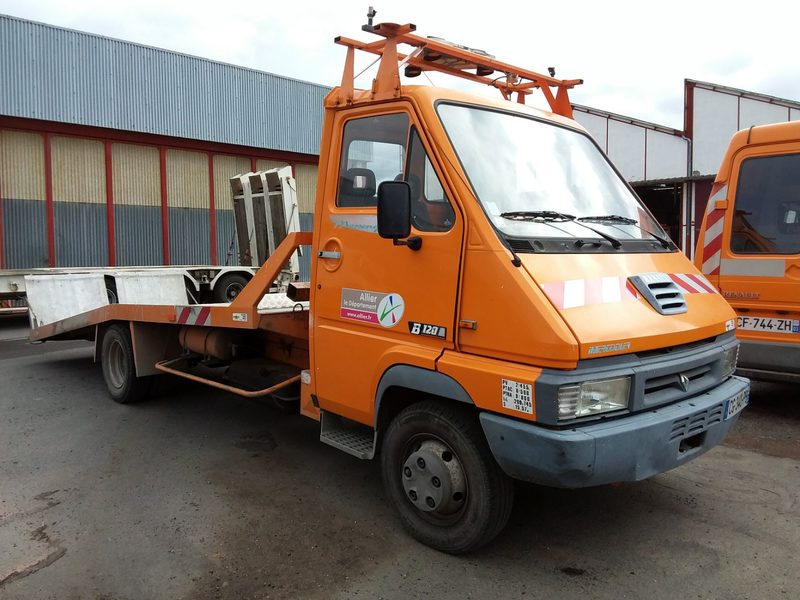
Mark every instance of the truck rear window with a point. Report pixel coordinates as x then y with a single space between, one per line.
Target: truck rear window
766 218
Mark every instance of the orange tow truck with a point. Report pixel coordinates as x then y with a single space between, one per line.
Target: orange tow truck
749 246
489 301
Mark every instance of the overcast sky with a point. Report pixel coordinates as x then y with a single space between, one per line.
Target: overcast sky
633 56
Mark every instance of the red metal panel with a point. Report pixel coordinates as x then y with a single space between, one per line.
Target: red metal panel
153 140
48 196
688 109
253 164
162 161
212 213
2 241
112 244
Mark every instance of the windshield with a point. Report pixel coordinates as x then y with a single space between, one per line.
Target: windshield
524 171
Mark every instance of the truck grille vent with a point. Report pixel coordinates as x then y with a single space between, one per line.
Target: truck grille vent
661 292
676 380
696 423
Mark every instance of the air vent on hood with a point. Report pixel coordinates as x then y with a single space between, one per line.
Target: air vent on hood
661 292
520 245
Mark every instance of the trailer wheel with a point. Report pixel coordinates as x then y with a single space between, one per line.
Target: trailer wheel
119 369
228 287
441 477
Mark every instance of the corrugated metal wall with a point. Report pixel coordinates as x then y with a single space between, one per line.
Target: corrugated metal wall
80 225
22 188
226 167
137 204
306 176
79 195
188 198
67 76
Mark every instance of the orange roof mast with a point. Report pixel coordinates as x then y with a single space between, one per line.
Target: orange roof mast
431 54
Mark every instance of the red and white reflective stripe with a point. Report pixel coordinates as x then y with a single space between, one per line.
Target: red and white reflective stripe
607 290
712 239
692 284
712 242
583 292
193 315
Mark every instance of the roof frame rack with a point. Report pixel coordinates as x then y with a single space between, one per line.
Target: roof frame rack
431 54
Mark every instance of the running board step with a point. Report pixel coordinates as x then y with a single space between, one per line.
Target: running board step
347 436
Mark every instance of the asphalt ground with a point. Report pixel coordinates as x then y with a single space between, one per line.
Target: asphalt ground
199 494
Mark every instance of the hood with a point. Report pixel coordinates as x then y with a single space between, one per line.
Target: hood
623 303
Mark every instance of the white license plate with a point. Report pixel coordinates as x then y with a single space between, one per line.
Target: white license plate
768 324
733 406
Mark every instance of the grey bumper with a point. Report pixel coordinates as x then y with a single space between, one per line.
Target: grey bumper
626 449
771 361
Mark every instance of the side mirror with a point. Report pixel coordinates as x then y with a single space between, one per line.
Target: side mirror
394 210
394 214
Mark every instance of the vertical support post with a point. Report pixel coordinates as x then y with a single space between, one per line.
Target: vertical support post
48 196
110 223
162 160
253 164
2 229
212 210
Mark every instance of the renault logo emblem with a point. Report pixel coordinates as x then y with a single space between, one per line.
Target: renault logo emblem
684 381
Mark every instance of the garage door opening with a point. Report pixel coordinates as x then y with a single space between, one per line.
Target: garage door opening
664 201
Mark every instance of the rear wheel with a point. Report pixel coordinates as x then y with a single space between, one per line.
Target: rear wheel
119 369
441 477
228 287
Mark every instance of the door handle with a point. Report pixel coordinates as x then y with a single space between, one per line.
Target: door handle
329 254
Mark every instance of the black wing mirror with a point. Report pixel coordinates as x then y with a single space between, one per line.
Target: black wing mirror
394 214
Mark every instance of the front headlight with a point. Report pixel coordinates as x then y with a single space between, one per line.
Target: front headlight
729 361
593 397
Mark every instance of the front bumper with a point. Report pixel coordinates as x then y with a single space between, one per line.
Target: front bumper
626 449
770 361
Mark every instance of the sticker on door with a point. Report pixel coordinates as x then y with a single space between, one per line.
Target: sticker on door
379 308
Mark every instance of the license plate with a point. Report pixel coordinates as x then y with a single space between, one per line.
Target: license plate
733 406
768 324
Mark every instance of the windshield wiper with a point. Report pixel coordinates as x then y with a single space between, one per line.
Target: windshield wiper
551 215
543 215
626 221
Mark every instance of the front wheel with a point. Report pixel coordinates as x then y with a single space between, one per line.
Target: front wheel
441 477
119 368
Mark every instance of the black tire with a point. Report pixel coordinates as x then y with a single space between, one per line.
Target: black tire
119 369
228 287
471 496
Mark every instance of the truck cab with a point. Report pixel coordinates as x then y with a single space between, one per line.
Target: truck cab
490 300
749 246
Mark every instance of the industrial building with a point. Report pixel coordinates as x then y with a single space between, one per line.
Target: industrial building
113 153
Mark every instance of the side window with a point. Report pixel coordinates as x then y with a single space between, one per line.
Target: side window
430 208
373 151
766 218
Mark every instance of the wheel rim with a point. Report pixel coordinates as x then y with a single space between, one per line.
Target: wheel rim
117 364
232 290
434 480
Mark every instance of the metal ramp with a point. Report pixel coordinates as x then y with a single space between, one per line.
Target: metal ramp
265 210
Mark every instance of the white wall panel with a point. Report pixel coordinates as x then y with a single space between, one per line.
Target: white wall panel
755 112
794 114
667 155
626 149
595 124
79 170
715 120
137 175
187 179
21 165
